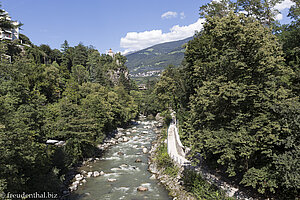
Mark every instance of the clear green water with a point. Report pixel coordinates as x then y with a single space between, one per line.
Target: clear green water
128 174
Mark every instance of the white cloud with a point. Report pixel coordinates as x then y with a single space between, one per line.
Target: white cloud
182 15
134 41
283 5
169 15
279 17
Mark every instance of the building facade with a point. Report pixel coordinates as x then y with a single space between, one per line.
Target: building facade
10 34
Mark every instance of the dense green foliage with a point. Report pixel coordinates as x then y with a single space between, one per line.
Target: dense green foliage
237 98
67 95
156 57
163 159
195 184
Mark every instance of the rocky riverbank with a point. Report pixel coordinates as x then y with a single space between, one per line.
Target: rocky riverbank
173 184
132 143
76 178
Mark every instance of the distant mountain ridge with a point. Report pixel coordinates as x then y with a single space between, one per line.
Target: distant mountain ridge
154 59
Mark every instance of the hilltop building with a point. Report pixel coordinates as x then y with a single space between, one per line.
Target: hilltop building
111 53
10 34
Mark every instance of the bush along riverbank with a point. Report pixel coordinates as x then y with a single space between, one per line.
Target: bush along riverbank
183 184
161 165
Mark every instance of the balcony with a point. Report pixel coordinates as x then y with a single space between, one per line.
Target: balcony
5 36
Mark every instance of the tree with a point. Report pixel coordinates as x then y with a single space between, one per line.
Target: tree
5 22
288 35
294 12
80 55
67 55
217 8
80 74
170 90
65 46
261 10
95 69
242 111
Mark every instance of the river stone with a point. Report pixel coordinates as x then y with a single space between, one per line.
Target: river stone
145 150
79 178
153 169
75 183
111 180
125 139
153 177
96 173
113 141
142 189
89 174
83 181
73 188
124 165
138 160
120 153
120 139
102 173
120 129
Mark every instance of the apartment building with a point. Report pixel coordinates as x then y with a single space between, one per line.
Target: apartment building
10 34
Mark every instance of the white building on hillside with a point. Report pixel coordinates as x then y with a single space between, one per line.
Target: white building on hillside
10 34
111 53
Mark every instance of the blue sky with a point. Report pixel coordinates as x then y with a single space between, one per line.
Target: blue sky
123 25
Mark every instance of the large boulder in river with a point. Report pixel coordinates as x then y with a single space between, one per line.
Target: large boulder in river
138 160
142 189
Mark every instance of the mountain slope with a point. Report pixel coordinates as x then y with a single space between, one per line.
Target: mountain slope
156 57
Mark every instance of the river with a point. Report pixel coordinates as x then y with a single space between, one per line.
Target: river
120 166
